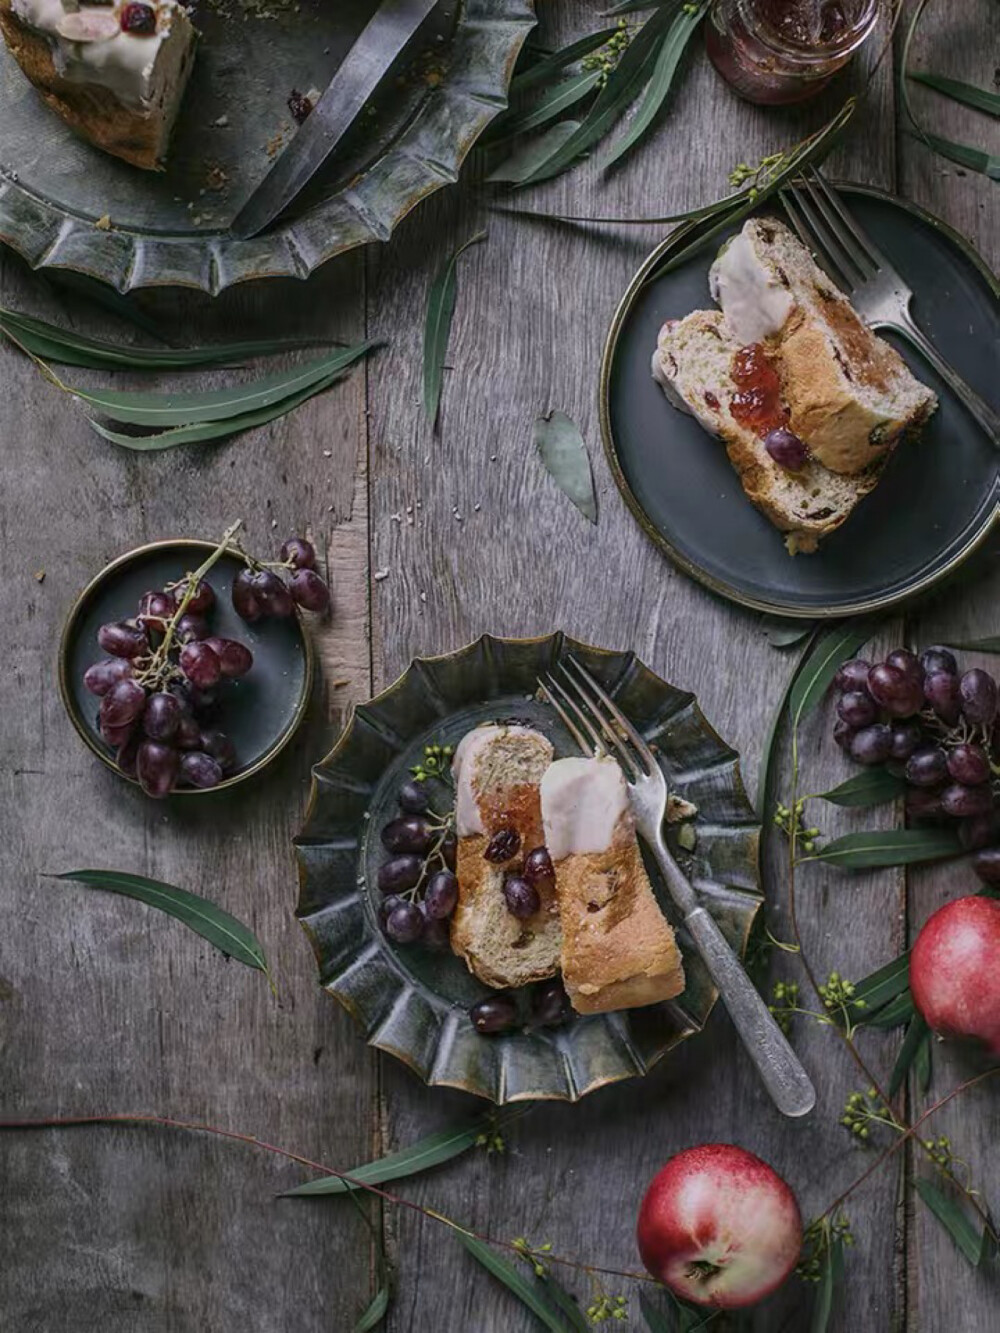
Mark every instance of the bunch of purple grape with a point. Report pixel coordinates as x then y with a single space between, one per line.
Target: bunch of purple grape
259 591
933 726
157 690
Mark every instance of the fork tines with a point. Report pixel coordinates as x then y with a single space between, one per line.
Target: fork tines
594 720
824 224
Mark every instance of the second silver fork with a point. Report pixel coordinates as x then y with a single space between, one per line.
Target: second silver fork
597 723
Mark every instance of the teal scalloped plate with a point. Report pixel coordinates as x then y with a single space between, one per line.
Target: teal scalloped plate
413 1003
58 193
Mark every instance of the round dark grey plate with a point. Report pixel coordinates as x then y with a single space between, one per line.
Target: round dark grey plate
414 1003
936 501
171 228
259 713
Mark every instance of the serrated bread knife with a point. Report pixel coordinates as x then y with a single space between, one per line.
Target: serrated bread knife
364 67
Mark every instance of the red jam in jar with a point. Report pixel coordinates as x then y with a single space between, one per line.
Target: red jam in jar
778 51
756 404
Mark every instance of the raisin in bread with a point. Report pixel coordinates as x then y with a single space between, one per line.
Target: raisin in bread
497 772
850 396
693 365
115 73
618 951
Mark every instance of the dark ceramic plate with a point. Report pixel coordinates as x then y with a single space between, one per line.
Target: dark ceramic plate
259 713
170 228
937 498
414 1003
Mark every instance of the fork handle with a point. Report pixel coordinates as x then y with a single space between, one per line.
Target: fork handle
983 413
779 1067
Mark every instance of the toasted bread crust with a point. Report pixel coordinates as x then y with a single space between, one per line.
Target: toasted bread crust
618 950
91 111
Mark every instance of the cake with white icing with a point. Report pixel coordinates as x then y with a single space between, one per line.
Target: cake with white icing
115 71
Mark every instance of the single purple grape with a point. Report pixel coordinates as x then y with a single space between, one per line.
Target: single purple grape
843 734
938 659
387 906
942 693
441 896
123 640
309 591
901 695
117 737
449 849
406 924
202 599
123 704
986 864
787 450
522 898
437 935
191 628
220 747
200 769
978 691
301 553
156 767
964 802
903 660
155 609
927 767
539 870
906 737
413 798
246 603
871 745
550 1005
161 717
201 666
857 709
272 594
497 1013
413 833
100 677
503 846
188 734
969 764
400 874
853 675
235 658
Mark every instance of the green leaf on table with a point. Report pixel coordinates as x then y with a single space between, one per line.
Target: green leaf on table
680 1318
553 1291
514 1281
559 98
811 151
184 409
622 87
770 743
420 1156
660 82
67 347
918 1037
877 989
212 923
922 1063
831 1278
375 1312
564 454
437 327
214 430
895 1013
549 65
830 652
979 98
872 786
782 633
526 160
888 847
987 645
968 1237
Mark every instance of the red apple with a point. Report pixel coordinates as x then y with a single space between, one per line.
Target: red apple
719 1227
954 975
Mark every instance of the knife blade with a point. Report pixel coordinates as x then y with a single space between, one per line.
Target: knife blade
363 68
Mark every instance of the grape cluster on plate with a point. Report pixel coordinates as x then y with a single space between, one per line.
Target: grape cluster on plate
937 729
159 685
420 891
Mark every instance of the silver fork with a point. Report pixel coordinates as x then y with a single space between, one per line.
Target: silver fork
595 722
876 290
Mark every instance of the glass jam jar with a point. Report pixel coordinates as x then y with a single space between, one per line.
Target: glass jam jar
779 51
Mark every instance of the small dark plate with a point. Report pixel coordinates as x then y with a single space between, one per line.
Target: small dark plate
259 713
937 499
414 1003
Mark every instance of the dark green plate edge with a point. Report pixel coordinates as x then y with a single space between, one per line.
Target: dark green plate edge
358 965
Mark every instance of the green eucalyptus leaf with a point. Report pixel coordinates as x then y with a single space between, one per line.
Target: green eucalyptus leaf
831 651
375 1312
692 214
214 430
437 327
872 786
979 98
877 989
987 645
554 1292
421 1156
559 98
966 1236
679 1318
525 161
895 1013
515 1282
550 65
770 743
561 448
831 1278
622 87
661 81
917 1038
782 633
67 347
212 923
185 409
922 1063
888 847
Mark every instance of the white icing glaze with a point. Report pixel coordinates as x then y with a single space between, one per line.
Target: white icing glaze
753 301
583 802
468 819
125 63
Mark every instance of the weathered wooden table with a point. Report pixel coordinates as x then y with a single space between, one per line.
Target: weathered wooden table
106 1006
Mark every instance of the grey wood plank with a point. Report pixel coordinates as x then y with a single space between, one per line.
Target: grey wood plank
107 1006
533 307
